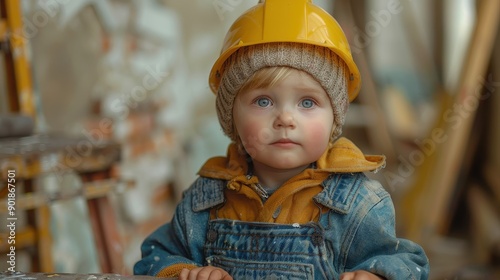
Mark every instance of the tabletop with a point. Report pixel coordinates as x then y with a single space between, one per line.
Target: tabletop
71 276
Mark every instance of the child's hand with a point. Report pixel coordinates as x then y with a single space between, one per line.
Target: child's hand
205 272
359 275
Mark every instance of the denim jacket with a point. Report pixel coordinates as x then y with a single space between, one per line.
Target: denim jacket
352 230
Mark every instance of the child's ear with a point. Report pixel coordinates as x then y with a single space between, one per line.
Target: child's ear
241 148
238 142
332 132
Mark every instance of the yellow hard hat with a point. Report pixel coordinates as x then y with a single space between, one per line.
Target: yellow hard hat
298 21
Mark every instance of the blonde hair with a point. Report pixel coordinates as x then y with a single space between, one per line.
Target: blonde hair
266 77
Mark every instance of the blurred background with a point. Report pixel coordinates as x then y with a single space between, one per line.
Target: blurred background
106 116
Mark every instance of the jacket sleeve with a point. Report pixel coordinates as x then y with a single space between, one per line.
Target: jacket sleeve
175 245
377 249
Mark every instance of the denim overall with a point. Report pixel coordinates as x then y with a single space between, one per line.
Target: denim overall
267 251
343 239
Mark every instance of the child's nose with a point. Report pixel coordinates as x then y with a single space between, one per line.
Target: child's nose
284 119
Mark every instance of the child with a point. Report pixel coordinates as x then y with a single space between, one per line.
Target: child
290 200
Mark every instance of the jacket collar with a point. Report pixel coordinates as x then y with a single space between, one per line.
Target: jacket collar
342 156
339 191
338 194
207 194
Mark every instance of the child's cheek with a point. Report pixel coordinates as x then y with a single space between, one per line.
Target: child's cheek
318 135
254 136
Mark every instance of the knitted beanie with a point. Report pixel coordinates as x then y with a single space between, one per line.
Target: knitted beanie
320 62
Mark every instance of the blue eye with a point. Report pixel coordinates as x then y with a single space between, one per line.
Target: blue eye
307 103
263 102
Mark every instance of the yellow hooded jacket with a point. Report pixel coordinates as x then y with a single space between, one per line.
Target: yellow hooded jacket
293 201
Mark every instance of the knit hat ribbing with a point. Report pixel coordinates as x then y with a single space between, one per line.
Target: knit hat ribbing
321 63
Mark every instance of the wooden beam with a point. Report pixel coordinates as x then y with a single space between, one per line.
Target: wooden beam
485 224
492 178
18 69
3 30
90 190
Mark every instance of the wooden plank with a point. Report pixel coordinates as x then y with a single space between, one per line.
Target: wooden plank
18 52
98 235
105 229
90 190
44 239
24 238
3 30
492 178
493 148
427 210
379 134
78 154
485 222
106 235
113 241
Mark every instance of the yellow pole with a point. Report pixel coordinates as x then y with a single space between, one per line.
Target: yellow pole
18 50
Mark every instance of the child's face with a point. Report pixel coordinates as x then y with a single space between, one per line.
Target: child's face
287 125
